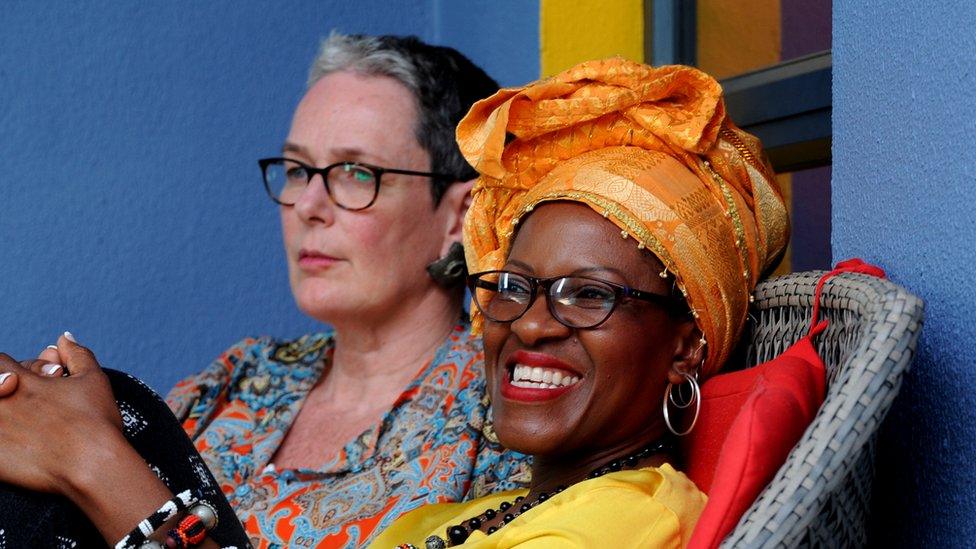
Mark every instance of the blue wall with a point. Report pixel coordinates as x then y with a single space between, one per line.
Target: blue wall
131 211
904 134
131 208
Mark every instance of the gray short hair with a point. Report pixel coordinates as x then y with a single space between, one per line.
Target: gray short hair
444 82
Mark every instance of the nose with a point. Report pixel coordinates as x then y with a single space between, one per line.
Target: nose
537 324
315 205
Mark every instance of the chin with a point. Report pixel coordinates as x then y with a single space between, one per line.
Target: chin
319 305
531 435
522 443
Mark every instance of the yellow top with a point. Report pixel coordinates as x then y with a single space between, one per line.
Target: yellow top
651 507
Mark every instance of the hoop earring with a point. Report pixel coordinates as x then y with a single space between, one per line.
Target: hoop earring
449 271
689 400
692 381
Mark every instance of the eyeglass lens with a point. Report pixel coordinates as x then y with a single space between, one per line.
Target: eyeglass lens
575 301
350 185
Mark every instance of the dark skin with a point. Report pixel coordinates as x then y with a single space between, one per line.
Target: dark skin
79 412
625 363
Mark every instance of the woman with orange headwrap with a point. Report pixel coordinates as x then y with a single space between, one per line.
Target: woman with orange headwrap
618 228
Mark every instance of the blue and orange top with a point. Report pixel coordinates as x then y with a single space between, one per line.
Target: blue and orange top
434 445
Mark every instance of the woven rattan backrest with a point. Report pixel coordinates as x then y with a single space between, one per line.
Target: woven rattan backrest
821 495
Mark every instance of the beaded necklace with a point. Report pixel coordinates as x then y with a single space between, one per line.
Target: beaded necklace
459 533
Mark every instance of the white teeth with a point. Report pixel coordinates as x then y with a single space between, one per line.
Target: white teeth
541 378
533 385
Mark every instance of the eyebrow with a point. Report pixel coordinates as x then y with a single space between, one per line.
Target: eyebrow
517 263
295 148
349 153
582 271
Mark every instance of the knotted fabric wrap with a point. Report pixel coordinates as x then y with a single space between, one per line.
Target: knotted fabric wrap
652 150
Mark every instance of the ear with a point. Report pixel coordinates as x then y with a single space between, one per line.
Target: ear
689 351
454 204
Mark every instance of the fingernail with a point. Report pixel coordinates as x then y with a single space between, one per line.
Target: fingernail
4 376
55 347
51 369
70 337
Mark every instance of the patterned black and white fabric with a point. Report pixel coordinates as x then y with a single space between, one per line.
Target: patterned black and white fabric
30 519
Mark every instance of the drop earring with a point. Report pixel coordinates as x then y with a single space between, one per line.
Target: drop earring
450 270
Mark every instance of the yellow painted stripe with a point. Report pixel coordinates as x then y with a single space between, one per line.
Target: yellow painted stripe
573 31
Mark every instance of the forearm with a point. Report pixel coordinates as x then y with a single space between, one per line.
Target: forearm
64 436
112 484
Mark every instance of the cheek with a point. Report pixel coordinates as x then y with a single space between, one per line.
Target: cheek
632 355
293 230
403 236
388 254
290 225
493 337
291 236
367 239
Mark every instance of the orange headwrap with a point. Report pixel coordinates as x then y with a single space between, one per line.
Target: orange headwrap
651 149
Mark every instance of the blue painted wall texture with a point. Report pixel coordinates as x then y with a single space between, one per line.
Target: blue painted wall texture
131 211
131 207
904 134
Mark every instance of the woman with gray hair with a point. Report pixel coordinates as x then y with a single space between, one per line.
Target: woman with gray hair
328 438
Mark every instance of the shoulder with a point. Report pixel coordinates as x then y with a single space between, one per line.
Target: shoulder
250 358
462 350
456 370
663 488
651 507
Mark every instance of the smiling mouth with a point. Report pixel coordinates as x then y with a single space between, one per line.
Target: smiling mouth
536 377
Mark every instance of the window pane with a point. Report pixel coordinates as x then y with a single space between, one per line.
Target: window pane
806 27
737 37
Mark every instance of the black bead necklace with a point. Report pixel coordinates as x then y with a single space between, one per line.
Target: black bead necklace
458 534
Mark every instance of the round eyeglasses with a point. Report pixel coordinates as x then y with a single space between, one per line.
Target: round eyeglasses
575 301
351 185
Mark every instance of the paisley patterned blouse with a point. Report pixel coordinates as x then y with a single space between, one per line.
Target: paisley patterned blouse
433 446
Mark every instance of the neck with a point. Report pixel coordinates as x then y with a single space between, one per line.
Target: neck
378 356
552 472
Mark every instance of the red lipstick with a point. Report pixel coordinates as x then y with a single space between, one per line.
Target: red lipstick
524 359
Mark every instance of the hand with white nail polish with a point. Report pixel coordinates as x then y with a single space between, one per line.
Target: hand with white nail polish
46 364
8 379
63 435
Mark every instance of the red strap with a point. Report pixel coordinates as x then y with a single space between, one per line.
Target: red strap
853 265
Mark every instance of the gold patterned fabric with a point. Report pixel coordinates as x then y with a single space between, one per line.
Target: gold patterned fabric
653 151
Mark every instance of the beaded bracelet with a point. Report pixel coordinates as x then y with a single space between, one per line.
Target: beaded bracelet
140 534
192 528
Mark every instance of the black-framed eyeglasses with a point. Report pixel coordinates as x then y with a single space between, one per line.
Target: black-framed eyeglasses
575 301
351 185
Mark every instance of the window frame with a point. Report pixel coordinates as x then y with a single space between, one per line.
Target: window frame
788 105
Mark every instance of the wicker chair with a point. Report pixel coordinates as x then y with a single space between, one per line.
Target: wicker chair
821 496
